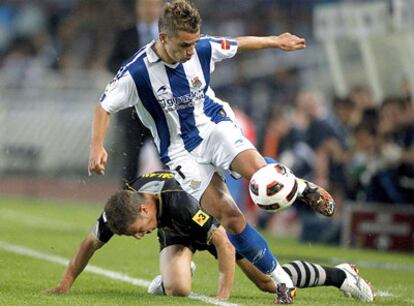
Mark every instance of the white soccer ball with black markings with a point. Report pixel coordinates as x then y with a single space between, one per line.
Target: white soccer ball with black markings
273 188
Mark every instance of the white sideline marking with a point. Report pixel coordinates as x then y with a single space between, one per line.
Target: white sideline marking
21 250
384 293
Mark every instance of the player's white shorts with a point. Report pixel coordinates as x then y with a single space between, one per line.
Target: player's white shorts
194 170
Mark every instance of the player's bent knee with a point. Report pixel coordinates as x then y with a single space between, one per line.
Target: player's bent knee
178 290
234 224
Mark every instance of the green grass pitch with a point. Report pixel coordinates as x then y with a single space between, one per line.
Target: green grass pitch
56 228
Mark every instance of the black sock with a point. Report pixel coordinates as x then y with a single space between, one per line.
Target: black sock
305 274
334 276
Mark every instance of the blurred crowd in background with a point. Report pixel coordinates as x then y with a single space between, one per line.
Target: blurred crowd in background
61 34
358 148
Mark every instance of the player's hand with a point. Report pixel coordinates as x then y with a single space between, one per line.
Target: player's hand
56 290
97 160
289 42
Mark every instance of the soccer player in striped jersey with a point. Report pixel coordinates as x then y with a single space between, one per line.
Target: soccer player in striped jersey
168 83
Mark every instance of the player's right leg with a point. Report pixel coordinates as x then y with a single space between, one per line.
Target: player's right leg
316 197
231 150
354 285
345 277
304 274
313 195
248 162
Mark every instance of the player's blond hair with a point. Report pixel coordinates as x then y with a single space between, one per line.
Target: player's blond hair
122 209
179 15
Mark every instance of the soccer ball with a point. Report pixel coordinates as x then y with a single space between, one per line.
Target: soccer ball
273 188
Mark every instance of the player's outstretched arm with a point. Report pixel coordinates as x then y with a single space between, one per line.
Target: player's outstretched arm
225 257
76 265
97 154
285 42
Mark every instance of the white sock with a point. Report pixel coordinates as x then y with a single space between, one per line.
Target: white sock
280 276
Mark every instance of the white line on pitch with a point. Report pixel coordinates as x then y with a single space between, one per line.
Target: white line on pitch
384 293
22 250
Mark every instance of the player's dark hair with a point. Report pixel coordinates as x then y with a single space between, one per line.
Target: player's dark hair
179 15
122 209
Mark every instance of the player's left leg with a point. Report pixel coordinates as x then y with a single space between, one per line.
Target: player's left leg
224 146
247 241
175 267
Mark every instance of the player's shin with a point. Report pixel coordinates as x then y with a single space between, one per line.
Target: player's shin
252 246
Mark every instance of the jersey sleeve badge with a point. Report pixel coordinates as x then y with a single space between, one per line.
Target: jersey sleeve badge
195 184
200 217
111 86
225 43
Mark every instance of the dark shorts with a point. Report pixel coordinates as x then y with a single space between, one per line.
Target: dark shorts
166 239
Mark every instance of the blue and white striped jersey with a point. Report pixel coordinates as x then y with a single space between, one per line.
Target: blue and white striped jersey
174 101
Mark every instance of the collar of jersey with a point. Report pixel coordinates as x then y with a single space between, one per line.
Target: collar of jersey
159 206
154 58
